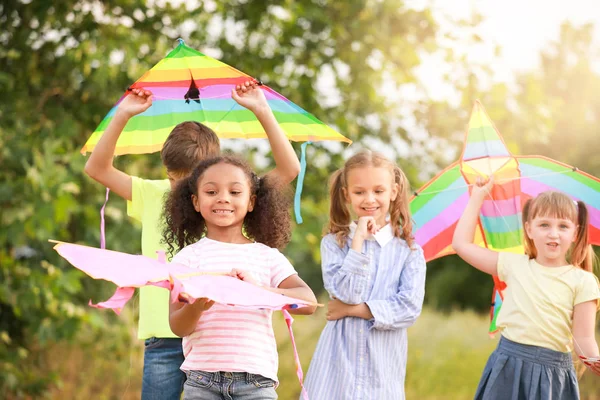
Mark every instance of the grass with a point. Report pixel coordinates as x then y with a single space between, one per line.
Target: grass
447 354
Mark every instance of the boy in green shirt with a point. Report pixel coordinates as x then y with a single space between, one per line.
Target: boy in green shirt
186 145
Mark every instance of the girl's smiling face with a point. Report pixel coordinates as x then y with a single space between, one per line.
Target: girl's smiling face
224 196
370 191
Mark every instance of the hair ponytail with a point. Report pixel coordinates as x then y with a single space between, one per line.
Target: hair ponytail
269 221
400 216
582 254
339 215
183 224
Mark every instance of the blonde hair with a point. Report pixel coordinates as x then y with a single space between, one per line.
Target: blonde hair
339 214
559 205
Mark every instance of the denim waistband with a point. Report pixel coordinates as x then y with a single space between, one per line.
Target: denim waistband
540 355
221 376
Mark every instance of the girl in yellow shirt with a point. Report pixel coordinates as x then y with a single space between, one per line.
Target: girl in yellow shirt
547 302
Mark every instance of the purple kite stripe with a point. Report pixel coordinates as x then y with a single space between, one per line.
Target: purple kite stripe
442 221
594 217
209 92
501 208
533 188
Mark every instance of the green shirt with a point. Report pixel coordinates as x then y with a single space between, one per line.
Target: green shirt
146 206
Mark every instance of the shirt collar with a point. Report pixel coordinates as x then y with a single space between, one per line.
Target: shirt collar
382 237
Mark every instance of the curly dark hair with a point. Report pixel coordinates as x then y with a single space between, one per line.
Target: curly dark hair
268 223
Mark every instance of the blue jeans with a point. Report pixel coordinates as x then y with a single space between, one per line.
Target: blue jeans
202 385
162 379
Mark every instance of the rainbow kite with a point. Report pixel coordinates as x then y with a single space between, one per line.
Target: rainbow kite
438 205
190 86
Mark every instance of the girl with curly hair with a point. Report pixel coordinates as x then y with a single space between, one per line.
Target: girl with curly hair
224 218
375 276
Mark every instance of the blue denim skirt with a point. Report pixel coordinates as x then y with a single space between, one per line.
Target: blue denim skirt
517 371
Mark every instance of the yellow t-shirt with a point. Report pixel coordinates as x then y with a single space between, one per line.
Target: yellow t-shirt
539 301
146 206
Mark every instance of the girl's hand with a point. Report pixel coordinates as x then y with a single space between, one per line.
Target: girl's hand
337 310
482 186
592 363
243 276
136 102
366 226
250 95
203 304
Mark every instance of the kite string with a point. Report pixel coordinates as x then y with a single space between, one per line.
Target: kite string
131 352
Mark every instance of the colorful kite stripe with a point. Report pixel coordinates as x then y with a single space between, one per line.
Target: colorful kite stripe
483 140
190 86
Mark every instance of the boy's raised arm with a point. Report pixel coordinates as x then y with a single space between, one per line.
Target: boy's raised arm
100 164
287 165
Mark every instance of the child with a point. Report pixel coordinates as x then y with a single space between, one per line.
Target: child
188 143
375 275
223 218
547 300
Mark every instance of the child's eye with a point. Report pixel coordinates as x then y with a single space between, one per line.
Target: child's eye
235 192
564 226
358 192
211 192
544 225
379 191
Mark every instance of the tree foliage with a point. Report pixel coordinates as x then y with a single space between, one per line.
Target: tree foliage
63 65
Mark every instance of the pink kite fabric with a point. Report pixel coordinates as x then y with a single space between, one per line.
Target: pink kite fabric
131 271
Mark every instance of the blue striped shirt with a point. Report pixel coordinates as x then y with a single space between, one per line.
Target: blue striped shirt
358 359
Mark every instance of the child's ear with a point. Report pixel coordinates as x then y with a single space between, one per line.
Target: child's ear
251 203
395 191
196 203
527 229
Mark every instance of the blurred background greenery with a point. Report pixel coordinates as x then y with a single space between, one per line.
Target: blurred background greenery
353 64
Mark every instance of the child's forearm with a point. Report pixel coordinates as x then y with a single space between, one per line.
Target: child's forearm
100 164
287 166
465 229
586 346
102 156
360 311
300 293
183 321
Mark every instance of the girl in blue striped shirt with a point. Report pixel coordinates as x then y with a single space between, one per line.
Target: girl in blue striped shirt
375 276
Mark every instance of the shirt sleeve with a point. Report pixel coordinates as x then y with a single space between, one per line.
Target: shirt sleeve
135 206
401 310
506 263
345 275
182 257
281 268
588 289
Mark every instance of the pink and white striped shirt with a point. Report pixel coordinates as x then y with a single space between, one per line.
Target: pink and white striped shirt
227 338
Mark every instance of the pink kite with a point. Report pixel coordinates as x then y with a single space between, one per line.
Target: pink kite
129 271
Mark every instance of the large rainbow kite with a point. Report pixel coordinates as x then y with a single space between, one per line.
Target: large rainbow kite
190 86
438 205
